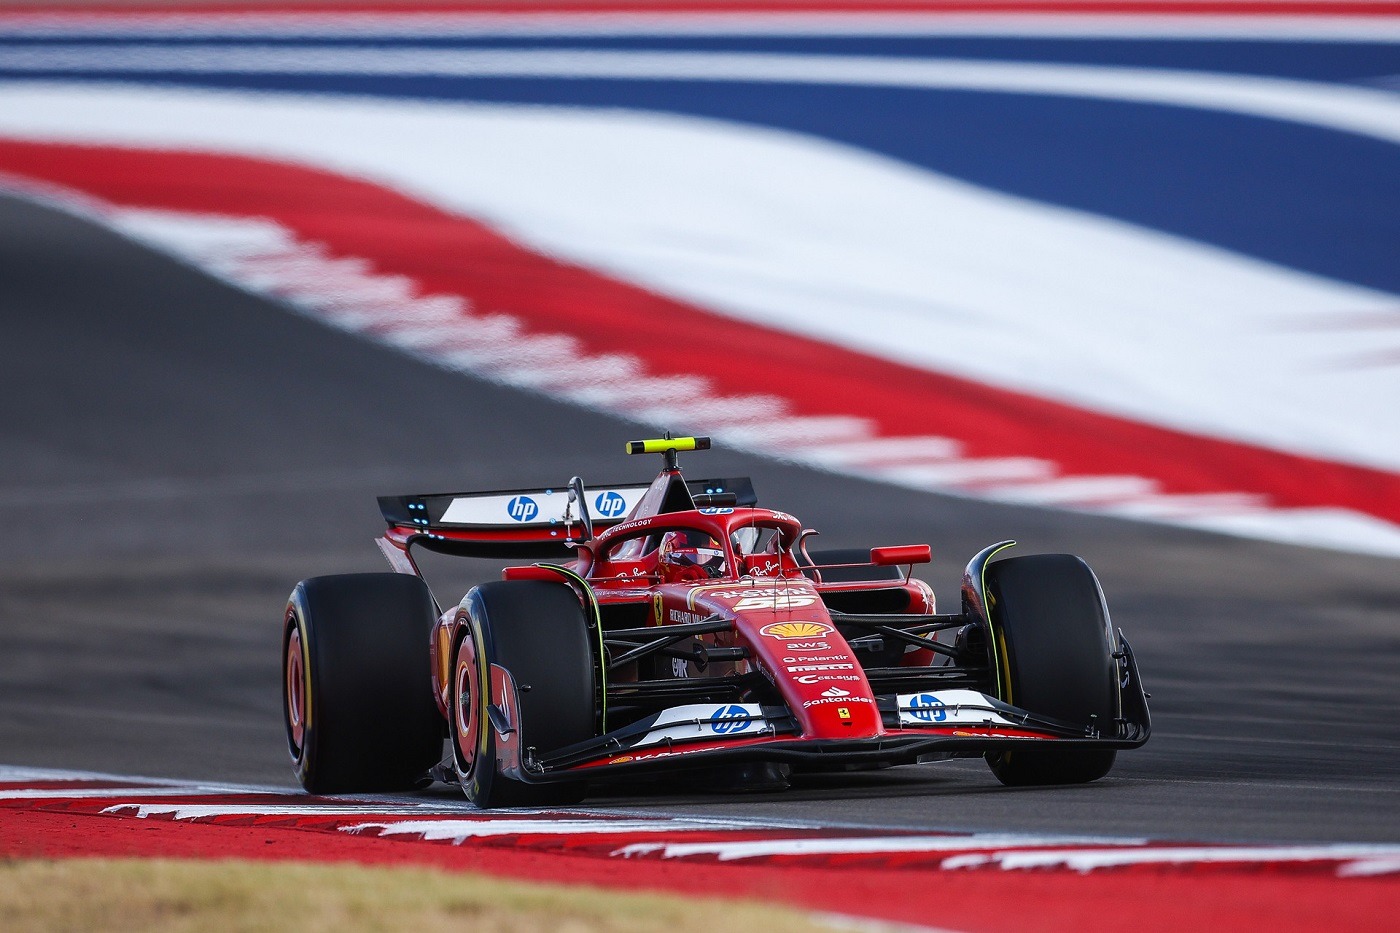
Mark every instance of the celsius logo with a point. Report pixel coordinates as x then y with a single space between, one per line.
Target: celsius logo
927 708
610 504
728 719
522 508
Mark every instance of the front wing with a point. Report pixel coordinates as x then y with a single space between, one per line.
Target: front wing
923 726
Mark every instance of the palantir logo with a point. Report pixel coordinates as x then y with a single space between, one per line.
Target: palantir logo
729 719
928 708
522 508
610 504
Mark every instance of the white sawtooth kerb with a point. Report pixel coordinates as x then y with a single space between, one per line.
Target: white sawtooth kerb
458 823
441 329
1086 860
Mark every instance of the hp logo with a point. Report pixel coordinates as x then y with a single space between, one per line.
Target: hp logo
729 719
928 708
610 504
522 508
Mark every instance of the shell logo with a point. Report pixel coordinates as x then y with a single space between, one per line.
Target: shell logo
795 630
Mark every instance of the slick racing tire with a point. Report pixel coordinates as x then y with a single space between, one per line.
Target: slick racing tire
1055 646
357 683
537 631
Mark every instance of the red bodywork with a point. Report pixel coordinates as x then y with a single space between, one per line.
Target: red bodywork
769 594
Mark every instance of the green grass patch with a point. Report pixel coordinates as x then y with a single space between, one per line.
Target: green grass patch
177 895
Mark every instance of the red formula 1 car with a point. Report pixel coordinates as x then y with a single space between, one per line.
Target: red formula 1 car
687 629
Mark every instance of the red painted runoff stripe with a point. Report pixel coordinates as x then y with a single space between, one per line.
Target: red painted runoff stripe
447 254
946 880
985 900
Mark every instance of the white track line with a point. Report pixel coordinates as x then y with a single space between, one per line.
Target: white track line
860 20
1352 109
459 831
183 811
76 793
859 845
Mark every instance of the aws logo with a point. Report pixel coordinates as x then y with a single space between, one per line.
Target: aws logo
796 630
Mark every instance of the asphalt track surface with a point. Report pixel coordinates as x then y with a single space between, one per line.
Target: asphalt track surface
175 454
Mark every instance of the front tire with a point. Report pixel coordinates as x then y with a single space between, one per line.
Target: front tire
357 684
536 630
1055 645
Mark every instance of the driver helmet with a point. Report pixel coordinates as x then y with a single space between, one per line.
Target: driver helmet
689 555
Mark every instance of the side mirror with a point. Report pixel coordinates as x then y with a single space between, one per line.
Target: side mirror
903 554
578 503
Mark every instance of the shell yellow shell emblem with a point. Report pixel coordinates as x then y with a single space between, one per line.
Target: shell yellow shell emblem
795 630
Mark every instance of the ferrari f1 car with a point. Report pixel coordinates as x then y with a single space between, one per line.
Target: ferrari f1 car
678 626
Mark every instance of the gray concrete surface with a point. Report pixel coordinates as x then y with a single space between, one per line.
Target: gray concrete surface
176 454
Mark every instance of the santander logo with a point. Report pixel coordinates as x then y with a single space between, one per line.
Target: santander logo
835 692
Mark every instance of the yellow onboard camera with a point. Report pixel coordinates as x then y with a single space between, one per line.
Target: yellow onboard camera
670 447
662 445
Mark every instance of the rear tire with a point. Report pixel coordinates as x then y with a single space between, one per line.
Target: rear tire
537 631
357 684
1052 630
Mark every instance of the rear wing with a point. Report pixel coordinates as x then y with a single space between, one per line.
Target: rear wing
524 523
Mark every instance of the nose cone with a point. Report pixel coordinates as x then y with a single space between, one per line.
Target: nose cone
796 645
